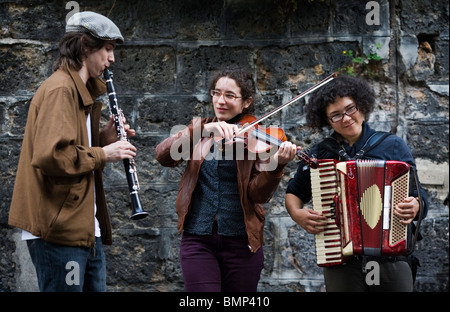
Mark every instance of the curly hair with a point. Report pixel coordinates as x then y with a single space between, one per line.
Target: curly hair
343 86
243 79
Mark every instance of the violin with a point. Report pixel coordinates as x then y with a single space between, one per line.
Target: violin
262 140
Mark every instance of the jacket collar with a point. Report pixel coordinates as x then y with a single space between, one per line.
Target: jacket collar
233 120
89 91
367 131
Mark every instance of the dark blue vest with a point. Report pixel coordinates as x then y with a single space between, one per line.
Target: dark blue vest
216 197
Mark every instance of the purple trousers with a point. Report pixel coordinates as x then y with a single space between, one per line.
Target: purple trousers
214 263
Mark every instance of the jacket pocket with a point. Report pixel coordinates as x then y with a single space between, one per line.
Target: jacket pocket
59 206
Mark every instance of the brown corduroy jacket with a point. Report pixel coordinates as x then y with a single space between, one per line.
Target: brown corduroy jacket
53 195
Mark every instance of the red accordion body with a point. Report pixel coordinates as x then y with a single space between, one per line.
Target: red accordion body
358 198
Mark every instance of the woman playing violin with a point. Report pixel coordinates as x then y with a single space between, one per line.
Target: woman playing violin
220 201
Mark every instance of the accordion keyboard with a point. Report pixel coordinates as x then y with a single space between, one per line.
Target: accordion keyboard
324 186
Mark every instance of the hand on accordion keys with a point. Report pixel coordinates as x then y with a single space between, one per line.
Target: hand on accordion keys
312 221
407 210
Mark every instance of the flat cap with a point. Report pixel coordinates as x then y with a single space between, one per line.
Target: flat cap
96 24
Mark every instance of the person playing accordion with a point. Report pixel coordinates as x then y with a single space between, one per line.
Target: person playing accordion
344 105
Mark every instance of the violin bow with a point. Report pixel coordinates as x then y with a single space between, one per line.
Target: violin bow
295 99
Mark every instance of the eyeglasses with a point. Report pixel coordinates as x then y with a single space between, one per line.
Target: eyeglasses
226 96
349 111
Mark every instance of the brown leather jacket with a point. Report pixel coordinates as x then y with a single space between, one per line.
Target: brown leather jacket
53 194
256 186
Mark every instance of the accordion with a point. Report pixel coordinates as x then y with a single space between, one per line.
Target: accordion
358 198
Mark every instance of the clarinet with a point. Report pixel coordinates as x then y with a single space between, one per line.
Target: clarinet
129 164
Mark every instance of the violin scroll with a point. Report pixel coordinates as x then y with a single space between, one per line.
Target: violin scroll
311 162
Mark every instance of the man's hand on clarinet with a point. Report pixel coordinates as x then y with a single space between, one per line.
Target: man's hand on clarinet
109 132
119 150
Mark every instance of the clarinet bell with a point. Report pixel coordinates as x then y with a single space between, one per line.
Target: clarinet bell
139 215
137 212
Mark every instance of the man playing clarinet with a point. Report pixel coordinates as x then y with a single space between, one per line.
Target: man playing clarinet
58 199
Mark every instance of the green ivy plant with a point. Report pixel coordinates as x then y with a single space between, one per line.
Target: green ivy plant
361 65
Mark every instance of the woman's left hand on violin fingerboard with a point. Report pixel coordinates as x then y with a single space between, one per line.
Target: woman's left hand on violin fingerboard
286 153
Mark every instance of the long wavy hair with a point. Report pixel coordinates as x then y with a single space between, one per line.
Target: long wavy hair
74 47
343 86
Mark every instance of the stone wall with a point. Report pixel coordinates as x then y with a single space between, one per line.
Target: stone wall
162 72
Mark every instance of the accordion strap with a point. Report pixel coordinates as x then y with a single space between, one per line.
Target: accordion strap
420 212
375 139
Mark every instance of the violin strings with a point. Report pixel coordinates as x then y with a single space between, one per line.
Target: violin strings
257 133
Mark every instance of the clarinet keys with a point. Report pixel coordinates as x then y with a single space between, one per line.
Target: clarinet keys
130 169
